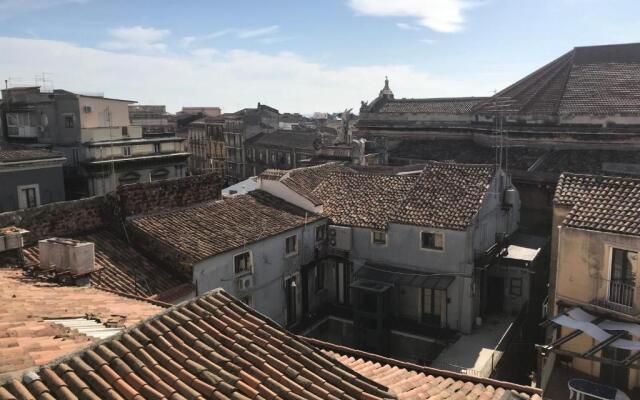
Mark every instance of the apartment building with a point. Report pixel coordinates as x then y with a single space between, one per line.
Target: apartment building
94 134
206 145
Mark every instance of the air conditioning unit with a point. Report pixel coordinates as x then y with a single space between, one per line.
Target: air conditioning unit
86 109
340 237
244 283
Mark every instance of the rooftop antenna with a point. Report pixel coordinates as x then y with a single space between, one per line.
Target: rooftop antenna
45 83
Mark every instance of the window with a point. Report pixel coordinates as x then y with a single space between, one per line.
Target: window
515 287
379 237
321 232
179 171
156 148
248 300
28 196
433 302
69 121
291 245
319 276
126 151
432 240
288 159
623 276
242 263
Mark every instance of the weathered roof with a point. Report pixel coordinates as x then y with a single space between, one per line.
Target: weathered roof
208 229
450 105
409 381
287 139
443 195
601 80
364 200
211 347
601 203
446 195
10 155
304 180
122 268
27 339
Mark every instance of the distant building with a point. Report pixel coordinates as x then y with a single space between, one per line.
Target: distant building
94 133
30 178
241 126
205 111
154 120
206 145
280 150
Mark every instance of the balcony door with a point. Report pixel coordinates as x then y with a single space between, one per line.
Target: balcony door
622 285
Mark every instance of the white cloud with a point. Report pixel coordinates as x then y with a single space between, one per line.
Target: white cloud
137 38
230 79
439 15
258 32
10 8
428 41
407 27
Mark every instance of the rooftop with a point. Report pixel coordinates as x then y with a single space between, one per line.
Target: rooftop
208 229
410 381
27 339
450 105
441 195
211 347
601 80
600 203
123 268
13 155
288 139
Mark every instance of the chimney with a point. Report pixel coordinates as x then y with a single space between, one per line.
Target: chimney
68 256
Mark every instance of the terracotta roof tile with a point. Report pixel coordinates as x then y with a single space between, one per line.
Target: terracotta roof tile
601 203
173 354
211 228
125 270
408 381
450 105
27 339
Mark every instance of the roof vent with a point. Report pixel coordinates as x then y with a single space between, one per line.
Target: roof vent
67 256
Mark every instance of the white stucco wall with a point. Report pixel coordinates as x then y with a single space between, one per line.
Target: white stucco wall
270 269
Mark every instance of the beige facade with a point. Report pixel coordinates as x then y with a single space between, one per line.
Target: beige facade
100 112
583 277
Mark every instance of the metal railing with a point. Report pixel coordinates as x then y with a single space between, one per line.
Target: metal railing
617 295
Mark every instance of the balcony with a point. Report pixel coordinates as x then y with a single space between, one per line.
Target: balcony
616 295
23 131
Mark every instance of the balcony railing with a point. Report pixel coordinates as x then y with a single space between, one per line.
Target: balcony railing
617 295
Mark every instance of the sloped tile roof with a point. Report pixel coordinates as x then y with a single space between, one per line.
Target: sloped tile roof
364 200
304 180
8 155
212 228
211 347
451 105
601 80
600 203
122 268
287 139
27 340
408 381
446 195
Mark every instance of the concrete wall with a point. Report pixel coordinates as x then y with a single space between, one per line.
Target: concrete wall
146 148
113 133
49 179
98 117
270 269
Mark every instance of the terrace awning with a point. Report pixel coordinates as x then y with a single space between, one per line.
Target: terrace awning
404 277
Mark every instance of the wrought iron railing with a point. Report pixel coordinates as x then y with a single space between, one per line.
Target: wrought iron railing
617 295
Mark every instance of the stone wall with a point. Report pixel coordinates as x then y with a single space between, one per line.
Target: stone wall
149 197
68 218
60 219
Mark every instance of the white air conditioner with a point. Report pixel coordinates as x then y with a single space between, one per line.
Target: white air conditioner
244 283
340 237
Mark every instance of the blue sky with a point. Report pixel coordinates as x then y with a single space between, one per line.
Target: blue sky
299 55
